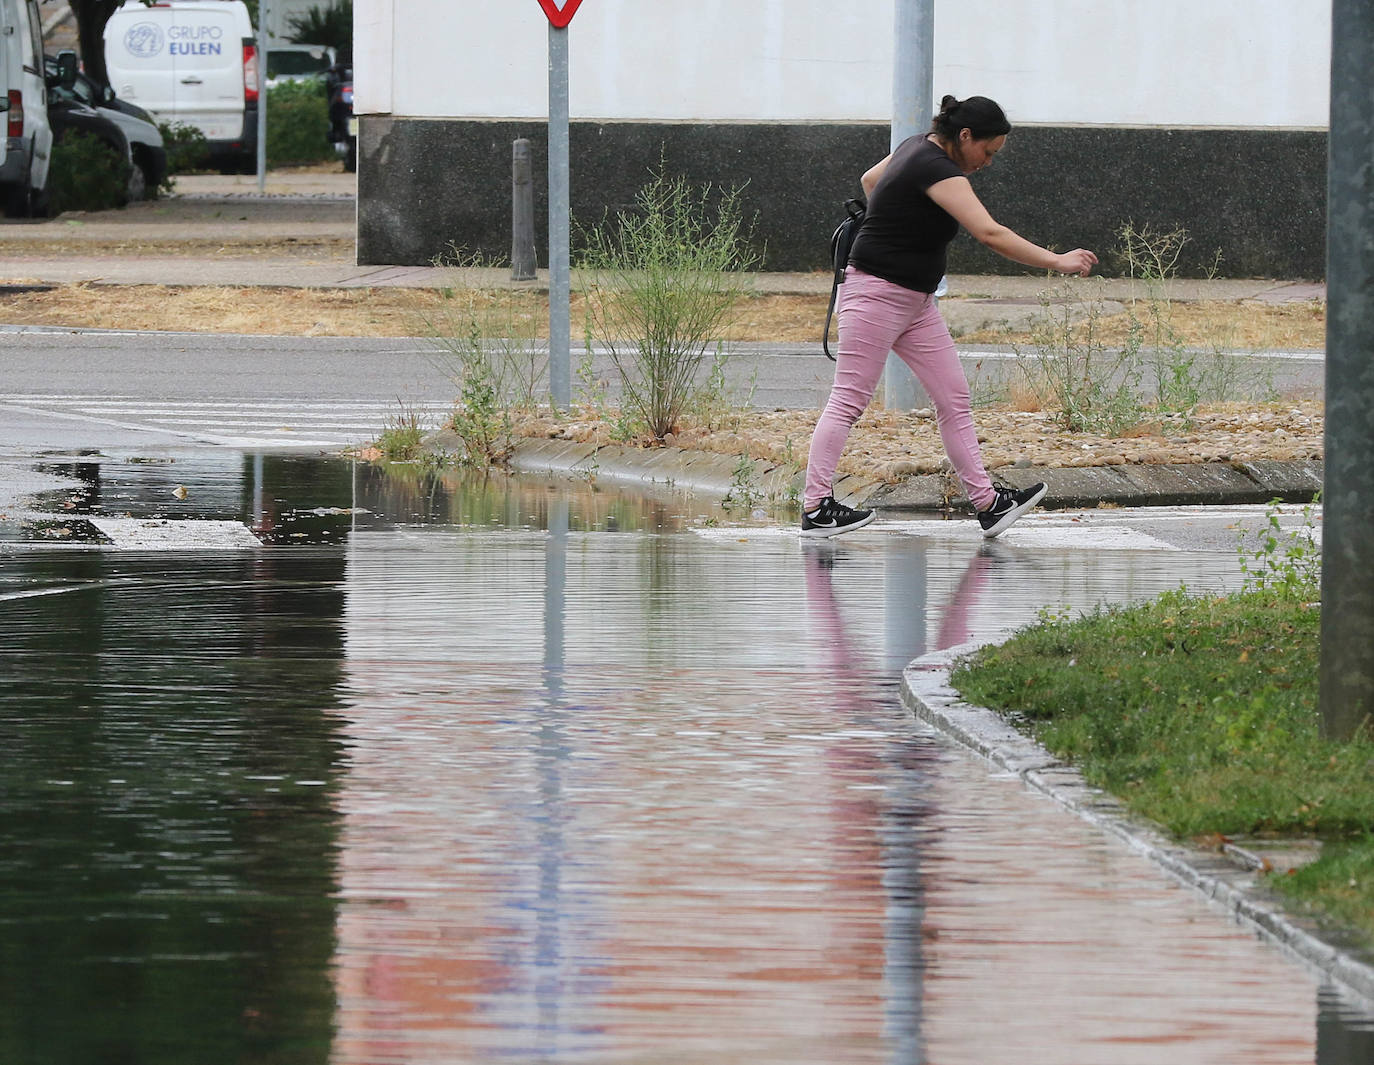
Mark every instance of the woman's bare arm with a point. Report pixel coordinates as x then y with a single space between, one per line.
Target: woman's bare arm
956 196
873 173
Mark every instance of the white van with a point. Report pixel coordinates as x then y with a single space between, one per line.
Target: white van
28 135
194 62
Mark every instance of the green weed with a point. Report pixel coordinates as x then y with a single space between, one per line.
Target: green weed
662 281
402 438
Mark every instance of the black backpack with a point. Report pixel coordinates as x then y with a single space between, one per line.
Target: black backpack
840 243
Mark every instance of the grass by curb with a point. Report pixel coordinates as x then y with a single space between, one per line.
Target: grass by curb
1200 713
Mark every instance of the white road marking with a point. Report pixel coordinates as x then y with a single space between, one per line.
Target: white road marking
242 424
157 534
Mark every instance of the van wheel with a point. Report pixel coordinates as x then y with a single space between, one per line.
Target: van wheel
25 201
17 202
41 203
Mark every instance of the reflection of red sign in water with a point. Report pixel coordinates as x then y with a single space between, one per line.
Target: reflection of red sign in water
560 16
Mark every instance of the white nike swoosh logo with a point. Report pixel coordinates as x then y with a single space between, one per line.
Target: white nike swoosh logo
824 524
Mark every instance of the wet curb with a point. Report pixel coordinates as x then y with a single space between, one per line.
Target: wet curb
926 692
723 477
742 479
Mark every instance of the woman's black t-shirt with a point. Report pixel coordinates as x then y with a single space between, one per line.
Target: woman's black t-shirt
905 232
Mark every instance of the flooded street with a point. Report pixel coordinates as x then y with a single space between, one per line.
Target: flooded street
519 772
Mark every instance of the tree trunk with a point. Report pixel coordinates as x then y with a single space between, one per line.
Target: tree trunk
91 16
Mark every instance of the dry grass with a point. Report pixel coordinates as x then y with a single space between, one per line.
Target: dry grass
1244 326
395 312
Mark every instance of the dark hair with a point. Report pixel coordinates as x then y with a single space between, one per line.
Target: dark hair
979 115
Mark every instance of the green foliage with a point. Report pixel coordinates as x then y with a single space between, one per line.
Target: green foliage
491 351
331 25
1107 388
1074 371
662 283
480 419
1182 377
1285 564
1201 713
402 438
186 147
87 174
298 123
743 492
1339 885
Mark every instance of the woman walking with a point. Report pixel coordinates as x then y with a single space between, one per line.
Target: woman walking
918 197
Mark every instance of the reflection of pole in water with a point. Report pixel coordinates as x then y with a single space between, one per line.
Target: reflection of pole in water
904 633
900 812
904 612
551 755
555 594
903 945
1345 1036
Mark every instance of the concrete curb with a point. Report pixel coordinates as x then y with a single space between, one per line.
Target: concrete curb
927 693
1189 484
730 476
721 477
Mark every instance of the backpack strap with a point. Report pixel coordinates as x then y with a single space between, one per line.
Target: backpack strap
829 311
840 242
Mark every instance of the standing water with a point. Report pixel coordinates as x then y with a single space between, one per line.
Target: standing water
515 772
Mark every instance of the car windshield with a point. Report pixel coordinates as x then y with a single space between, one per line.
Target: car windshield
293 63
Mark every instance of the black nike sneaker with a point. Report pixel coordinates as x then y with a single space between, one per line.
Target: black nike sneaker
1007 507
829 518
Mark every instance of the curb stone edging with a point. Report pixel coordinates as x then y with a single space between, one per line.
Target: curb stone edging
1191 484
926 692
717 474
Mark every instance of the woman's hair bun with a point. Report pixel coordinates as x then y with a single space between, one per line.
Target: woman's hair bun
977 114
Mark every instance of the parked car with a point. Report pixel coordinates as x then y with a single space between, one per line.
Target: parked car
67 85
192 62
24 180
298 62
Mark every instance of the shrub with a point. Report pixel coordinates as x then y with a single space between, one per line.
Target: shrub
87 174
298 123
186 148
488 344
663 281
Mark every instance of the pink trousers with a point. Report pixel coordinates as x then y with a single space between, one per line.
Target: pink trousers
875 317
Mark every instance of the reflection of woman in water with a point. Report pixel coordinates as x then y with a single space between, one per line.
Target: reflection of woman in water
918 197
955 627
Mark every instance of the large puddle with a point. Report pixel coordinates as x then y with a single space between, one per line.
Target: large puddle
510 771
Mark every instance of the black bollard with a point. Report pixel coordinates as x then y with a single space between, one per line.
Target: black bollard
522 258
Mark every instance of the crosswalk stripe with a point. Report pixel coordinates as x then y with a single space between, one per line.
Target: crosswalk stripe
244 423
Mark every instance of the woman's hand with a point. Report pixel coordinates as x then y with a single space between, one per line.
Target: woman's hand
1080 261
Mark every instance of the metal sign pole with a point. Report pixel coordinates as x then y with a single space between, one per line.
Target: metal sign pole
560 281
264 13
913 72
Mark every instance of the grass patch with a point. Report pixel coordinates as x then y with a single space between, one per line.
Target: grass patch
1200 713
403 437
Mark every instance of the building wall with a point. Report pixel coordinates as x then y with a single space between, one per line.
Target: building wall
1208 114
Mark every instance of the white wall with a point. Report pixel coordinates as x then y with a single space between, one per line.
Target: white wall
1117 62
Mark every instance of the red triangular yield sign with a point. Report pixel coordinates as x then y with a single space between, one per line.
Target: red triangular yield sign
560 16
